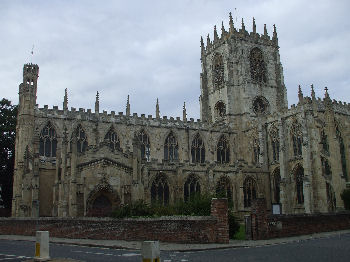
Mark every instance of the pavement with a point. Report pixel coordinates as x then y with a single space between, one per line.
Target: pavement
136 245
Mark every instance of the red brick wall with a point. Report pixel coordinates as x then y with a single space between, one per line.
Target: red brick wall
168 229
266 226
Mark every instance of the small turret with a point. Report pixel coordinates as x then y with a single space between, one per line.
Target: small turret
216 37
300 95
208 41
65 100
265 30
223 31
97 103
184 114
274 37
243 26
254 26
157 109
232 27
127 107
313 96
202 46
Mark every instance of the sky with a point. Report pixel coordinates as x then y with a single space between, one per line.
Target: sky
151 49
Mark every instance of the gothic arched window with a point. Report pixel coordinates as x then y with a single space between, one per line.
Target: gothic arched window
324 141
297 138
223 150
171 148
326 168
275 143
342 150
220 109
257 66
218 71
224 188
249 191
299 179
145 145
331 199
276 185
191 187
48 141
160 190
198 150
113 140
81 139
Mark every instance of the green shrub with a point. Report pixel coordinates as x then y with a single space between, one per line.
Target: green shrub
233 224
240 235
136 209
345 196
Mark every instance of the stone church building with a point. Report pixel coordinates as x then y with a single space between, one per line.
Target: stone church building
247 143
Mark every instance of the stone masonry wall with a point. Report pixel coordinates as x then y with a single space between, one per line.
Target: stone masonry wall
266 226
212 229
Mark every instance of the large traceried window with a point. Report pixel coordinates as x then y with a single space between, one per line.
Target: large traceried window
218 71
81 139
48 141
257 66
220 110
160 190
324 142
249 191
297 139
275 143
342 151
145 145
113 140
191 187
299 180
171 148
198 150
276 185
223 150
224 188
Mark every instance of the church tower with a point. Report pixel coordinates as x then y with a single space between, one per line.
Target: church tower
25 200
242 76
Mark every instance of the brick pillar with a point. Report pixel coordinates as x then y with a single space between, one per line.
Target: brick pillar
219 210
259 219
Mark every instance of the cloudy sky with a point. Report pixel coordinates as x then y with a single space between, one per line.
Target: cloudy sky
151 49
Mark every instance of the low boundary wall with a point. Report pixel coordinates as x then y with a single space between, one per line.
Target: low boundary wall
266 226
180 229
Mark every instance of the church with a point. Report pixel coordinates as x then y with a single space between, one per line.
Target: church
247 143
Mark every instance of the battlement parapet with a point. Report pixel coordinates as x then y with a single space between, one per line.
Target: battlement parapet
241 34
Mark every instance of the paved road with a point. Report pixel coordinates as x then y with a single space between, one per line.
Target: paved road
335 248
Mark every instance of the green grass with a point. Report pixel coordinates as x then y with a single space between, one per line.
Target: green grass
240 235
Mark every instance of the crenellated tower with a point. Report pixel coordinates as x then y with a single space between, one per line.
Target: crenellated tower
24 198
242 75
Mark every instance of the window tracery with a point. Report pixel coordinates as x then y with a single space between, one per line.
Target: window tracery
48 141
220 109
198 150
191 187
275 143
224 188
145 145
342 150
256 150
299 179
260 105
218 71
223 150
257 66
297 138
249 191
276 185
113 140
171 148
81 139
160 190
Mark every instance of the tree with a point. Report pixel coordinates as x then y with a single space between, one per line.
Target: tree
8 119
